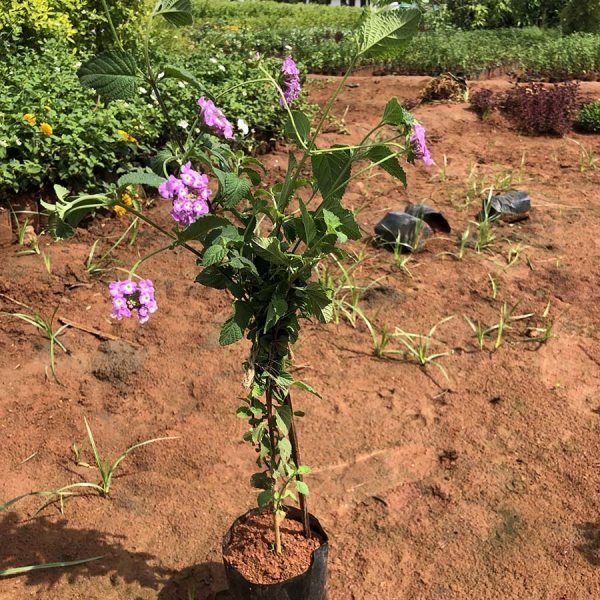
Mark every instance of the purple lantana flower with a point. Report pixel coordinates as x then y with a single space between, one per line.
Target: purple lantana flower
291 81
419 144
128 295
215 119
190 194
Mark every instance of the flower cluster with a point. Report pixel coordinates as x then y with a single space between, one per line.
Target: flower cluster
291 81
417 140
215 119
30 118
127 201
128 295
128 138
46 128
190 194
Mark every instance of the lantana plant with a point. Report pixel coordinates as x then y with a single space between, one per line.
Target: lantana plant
260 244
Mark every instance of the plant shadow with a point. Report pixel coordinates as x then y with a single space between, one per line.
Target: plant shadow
590 548
43 540
204 581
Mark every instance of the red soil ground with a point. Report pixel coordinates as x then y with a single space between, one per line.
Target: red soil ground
481 486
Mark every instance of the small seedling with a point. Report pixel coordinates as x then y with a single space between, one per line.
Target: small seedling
587 160
47 263
544 333
463 242
514 253
106 469
381 338
506 318
418 345
480 331
443 173
493 286
46 328
485 235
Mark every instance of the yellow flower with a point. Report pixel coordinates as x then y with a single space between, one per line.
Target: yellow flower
46 129
119 211
30 118
126 199
127 137
232 27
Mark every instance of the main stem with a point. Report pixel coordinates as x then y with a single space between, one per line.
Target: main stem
296 456
271 426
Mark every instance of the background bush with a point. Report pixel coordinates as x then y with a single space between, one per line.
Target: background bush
588 118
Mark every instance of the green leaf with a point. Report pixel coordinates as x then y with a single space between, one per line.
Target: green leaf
382 30
243 412
332 172
269 248
303 470
395 114
113 74
61 192
139 177
173 72
212 278
307 230
159 162
301 487
283 199
334 225
302 136
387 160
233 188
213 255
277 308
199 229
177 12
60 565
307 388
265 498
285 449
319 301
230 333
261 481
283 418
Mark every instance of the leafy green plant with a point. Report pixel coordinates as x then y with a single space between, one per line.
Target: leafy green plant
260 243
480 331
588 118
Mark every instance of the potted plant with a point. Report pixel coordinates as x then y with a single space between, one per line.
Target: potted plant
262 245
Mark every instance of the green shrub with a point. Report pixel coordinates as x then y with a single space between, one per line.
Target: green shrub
588 118
84 144
581 15
82 23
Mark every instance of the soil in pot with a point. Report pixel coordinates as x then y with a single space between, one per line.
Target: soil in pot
251 549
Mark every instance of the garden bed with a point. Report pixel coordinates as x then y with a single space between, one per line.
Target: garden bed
482 485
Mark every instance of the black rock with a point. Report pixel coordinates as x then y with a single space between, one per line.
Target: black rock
407 231
434 218
509 206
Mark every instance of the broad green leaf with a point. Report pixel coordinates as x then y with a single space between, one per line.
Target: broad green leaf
261 481
177 12
230 333
301 487
301 133
62 193
334 225
270 250
213 255
319 301
390 163
113 74
285 449
173 72
303 470
332 172
283 418
381 30
212 278
233 188
243 412
199 229
139 177
284 196
277 308
159 162
395 114
265 498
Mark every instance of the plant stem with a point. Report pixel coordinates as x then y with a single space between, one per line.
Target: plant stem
276 529
297 461
271 426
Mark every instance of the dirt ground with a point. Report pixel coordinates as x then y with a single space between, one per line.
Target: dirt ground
484 485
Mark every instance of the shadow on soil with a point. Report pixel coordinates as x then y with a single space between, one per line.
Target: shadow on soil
205 581
42 540
590 548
